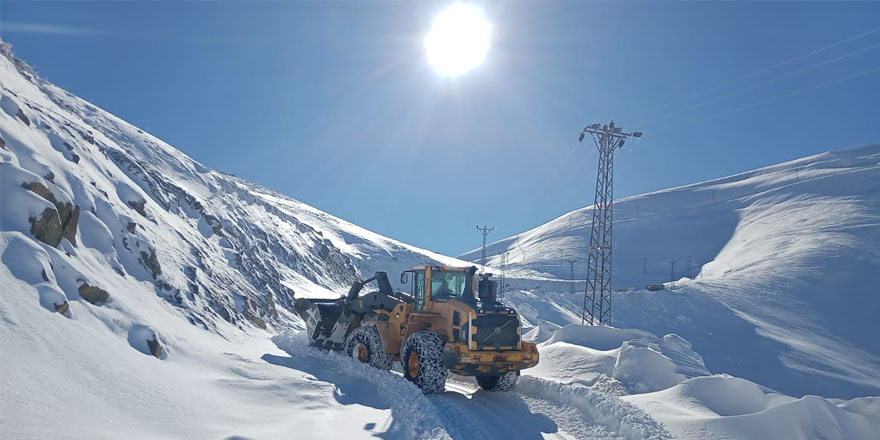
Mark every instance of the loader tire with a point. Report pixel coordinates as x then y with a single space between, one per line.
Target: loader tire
365 344
498 382
422 361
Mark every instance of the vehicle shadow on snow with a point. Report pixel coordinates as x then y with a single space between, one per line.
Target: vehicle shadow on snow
349 388
358 384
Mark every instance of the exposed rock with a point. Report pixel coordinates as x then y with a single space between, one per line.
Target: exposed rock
270 306
2 143
138 205
50 176
47 227
74 157
70 225
39 189
132 226
93 294
23 117
52 224
256 320
150 261
62 308
155 347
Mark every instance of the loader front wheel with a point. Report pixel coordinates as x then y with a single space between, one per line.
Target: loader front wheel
422 359
365 345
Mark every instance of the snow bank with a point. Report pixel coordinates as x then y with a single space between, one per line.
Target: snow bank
637 360
610 411
730 407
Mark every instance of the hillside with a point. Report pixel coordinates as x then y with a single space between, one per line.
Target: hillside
781 286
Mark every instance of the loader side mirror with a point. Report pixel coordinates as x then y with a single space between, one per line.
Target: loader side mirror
404 277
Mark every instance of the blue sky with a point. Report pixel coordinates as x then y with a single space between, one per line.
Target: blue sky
334 103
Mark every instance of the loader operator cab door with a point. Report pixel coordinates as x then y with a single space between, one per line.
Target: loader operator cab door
418 289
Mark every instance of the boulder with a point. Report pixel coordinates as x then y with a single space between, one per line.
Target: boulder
62 308
52 224
138 205
47 227
155 347
93 294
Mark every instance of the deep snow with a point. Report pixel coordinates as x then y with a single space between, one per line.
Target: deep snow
781 286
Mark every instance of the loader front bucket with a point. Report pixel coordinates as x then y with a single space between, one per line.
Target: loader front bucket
327 324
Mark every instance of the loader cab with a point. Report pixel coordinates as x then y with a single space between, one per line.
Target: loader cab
439 284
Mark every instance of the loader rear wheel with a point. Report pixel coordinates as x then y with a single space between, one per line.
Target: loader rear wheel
422 359
498 382
365 345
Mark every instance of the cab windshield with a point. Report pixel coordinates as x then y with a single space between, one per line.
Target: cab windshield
446 284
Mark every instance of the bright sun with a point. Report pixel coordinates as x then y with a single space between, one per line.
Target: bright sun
458 39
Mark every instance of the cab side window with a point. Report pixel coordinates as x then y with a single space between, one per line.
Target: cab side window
419 290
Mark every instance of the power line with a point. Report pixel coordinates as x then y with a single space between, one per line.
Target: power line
773 99
770 81
753 74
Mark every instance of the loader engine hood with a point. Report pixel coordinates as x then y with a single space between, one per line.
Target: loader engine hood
497 328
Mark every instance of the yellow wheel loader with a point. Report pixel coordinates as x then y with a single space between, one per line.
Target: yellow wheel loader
449 321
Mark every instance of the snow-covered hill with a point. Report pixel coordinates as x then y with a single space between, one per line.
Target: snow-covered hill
775 270
143 295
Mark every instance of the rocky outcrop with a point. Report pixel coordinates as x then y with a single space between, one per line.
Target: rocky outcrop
53 223
92 294
150 261
47 227
138 205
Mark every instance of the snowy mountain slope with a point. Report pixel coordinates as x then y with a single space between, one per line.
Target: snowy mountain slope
782 270
215 246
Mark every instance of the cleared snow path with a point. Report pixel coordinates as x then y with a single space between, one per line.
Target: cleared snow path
536 409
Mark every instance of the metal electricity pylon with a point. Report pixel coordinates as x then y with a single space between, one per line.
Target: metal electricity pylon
485 230
608 138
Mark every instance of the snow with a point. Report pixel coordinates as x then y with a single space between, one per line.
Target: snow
198 338
780 288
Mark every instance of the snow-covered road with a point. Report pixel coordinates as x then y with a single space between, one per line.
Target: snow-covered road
536 409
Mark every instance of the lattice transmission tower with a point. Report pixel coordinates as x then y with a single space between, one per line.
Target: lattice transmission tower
597 295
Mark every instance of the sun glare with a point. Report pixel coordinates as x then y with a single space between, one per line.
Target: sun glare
458 39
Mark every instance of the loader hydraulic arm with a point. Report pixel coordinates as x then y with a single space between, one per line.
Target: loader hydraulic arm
381 279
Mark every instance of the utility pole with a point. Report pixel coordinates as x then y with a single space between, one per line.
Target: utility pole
672 273
571 262
644 264
607 138
485 230
503 263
